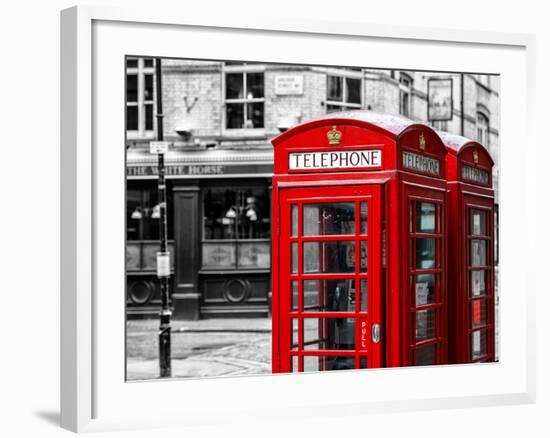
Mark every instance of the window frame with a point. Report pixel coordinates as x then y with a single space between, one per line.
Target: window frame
345 73
141 71
243 68
406 90
483 127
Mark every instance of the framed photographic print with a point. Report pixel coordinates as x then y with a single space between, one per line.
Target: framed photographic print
247 206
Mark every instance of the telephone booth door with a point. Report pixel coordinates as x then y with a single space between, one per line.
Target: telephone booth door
330 300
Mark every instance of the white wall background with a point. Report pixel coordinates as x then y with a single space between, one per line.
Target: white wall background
29 172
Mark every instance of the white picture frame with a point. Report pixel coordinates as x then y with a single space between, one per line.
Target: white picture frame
94 394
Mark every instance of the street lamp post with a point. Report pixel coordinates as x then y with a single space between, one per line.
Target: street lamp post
163 256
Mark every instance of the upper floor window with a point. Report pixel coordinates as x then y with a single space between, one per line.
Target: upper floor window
482 128
140 92
344 90
405 94
244 96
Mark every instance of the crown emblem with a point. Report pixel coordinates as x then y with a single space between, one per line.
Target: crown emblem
334 136
476 157
422 142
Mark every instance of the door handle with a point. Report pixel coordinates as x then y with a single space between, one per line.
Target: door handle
376 333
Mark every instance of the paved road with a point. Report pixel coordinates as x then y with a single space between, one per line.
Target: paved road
210 347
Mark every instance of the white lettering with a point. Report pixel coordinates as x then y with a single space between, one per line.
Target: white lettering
335 160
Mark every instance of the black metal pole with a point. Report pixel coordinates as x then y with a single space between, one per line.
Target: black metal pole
165 358
462 104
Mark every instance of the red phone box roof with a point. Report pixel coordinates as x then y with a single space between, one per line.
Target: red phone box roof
467 160
360 141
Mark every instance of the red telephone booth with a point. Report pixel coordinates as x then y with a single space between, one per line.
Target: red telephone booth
359 244
471 249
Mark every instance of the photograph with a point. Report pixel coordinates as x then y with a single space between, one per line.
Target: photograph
287 218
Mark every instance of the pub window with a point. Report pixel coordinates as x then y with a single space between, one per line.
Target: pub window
344 90
405 94
143 227
482 129
244 95
236 228
140 92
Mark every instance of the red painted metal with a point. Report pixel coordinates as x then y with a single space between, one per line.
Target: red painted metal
394 189
466 197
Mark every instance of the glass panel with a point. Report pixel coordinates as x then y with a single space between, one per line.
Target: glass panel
150 256
478 283
425 324
294 364
148 62
478 223
425 284
149 117
479 313
425 355
294 330
218 255
363 362
134 214
294 257
133 257
255 115
334 257
148 95
364 296
241 213
131 88
295 292
425 253
328 363
132 118
329 295
478 254
131 63
425 217
294 215
333 108
255 255
353 90
234 115
234 86
479 344
364 256
334 88
329 219
254 85
364 217
329 334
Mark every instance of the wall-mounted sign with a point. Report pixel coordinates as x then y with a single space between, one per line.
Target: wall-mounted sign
335 160
476 175
158 147
420 163
198 170
286 85
440 99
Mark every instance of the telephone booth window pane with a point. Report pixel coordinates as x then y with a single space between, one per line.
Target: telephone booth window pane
479 344
324 257
425 355
329 333
294 295
479 313
478 252
294 257
294 364
328 363
364 217
425 217
478 283
425 284
425 324
425 253
329 219
364 256
478 223
294 345
329 295
364 296
363 362
294 220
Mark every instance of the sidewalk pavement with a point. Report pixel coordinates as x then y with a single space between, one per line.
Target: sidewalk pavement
204 348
